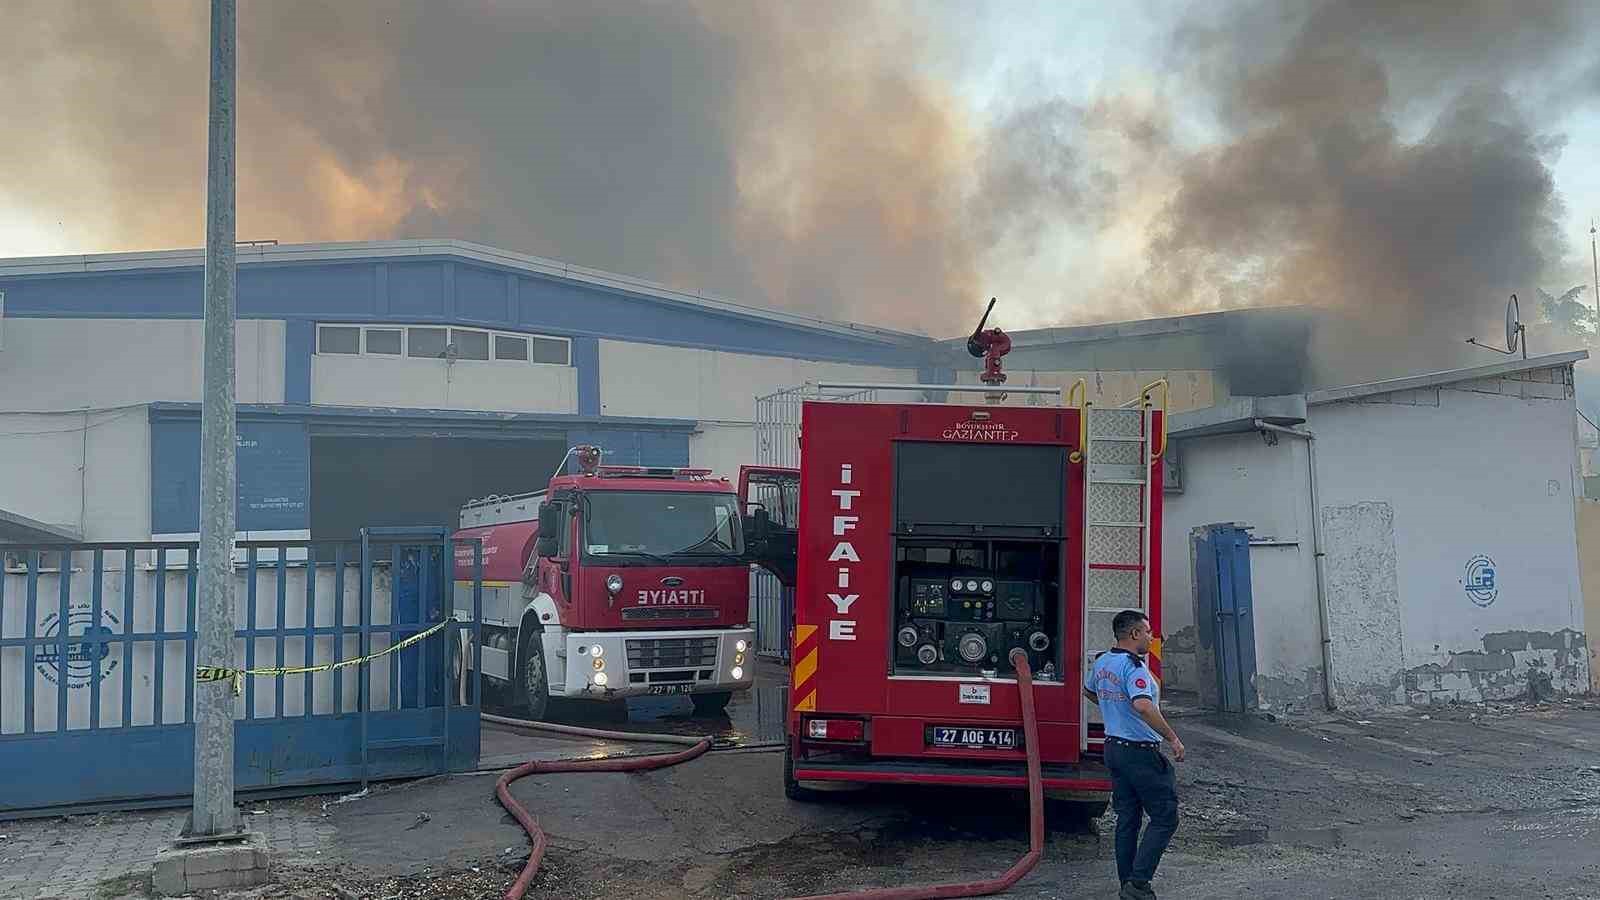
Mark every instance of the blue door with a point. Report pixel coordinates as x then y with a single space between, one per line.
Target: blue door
1224 622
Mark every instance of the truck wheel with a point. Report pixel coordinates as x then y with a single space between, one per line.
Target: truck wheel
534 684
711 704
456 686
791 787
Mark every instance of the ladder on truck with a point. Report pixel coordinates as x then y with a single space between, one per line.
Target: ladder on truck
1119 448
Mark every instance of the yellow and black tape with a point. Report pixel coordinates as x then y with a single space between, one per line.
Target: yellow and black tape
222 673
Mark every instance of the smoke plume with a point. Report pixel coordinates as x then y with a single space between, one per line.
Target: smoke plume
1388 161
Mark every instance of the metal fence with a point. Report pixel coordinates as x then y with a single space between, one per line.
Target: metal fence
97 663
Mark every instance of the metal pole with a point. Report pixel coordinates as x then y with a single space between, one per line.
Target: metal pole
213 814
1595 259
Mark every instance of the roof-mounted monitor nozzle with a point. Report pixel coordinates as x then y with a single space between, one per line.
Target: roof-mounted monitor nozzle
990 346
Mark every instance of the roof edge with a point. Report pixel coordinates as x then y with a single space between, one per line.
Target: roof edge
253 254
1449 376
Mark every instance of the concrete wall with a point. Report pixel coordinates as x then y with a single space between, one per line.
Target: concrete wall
1589 569
1419 494
497 386
60 364
1240 478
1485 469
714 388
93 479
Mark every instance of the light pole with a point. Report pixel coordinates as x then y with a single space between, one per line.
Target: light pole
213 814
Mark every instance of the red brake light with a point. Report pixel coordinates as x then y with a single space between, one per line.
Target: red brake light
836 730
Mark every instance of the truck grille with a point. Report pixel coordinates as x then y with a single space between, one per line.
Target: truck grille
671 653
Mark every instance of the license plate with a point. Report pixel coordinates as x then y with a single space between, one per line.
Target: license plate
671 688
975 738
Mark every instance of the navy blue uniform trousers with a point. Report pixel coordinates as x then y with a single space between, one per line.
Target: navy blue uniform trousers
1143 783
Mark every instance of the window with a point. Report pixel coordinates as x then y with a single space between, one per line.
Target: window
385 341
338 339
470 344
426 343
508 346
432 341
554 351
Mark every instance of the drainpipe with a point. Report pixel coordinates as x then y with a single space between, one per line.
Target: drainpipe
1316 551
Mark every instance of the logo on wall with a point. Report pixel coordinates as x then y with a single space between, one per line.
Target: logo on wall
88 647
1480 581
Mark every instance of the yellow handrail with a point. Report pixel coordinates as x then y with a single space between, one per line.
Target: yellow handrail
1080 390
1145 393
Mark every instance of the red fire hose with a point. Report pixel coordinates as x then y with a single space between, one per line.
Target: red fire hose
1030 731
536 837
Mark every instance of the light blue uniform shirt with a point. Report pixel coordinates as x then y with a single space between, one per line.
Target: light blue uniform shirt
1117 678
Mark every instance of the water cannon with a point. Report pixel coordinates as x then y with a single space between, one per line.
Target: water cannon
989 346
588 458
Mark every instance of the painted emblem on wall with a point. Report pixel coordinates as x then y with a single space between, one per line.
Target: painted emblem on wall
88 647
1480 581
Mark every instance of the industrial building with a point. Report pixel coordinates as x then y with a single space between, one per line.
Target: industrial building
386 383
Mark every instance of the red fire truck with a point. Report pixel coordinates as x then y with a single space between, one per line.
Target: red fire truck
615 582
934 538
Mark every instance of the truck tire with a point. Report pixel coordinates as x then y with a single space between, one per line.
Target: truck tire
533 684
456 685
711 704
791 787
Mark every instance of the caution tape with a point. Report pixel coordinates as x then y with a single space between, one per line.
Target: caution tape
223 673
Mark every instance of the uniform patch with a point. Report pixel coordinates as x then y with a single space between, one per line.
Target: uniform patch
1140 682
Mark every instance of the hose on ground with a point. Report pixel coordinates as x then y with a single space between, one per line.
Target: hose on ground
536 838
1030 731
698 746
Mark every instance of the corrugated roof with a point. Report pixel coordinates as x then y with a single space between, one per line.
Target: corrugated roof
250 254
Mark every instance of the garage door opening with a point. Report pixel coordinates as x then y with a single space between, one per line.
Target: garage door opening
359 482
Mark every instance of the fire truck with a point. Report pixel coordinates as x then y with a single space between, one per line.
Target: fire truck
932 539
614 582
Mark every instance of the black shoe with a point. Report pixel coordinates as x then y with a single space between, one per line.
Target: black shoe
1136 890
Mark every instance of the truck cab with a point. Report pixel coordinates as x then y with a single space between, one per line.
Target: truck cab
614 582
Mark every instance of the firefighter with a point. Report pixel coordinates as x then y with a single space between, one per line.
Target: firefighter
1142 779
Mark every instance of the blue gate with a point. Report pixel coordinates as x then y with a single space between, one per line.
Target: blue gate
97 662
1223 617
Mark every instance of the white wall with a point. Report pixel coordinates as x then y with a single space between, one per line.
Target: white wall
715 388
1412 487
1241 478
97 480
59 364
1466 471
490 385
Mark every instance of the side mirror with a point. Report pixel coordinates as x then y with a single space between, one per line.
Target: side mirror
549 530
758 525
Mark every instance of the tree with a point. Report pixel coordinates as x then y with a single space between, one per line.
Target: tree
1568 313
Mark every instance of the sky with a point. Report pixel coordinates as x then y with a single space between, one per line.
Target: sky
895 162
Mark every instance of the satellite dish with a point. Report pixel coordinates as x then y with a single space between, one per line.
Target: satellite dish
1516 332
1513 324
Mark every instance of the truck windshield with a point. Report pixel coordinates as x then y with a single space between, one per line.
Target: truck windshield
662 525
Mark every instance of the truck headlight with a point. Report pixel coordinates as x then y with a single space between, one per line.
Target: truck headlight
599 664
597 650
614 583
737 673
740 645
600 679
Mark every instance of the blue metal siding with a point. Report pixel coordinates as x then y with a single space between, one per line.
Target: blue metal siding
586 359
481 295
416 290
299 342
274 477
425 290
